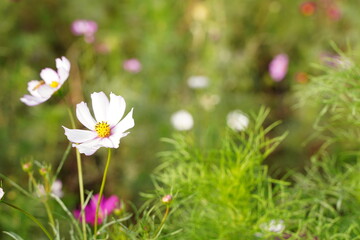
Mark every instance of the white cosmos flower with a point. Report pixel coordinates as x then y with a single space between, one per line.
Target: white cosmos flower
182 120
52 80
1 193
106 129
237 120
56 189
275 226
198 82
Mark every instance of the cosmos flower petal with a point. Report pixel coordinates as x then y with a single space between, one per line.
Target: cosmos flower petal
125 124
33 85
63 63
106 142
116 109
110 204
63 68
45 91
84 116
49 75
115 138
100 104
107 206
88 148
31 100
79 136
1 193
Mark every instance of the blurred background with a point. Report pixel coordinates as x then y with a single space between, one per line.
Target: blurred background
208 58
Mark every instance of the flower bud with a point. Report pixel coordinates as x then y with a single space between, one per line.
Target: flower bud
27 167
43 171
167 199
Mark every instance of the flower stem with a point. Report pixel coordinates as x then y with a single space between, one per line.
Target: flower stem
81 187
162 221
31 217
48 211
81 183
101 192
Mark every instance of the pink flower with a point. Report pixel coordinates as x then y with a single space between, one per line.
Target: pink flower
132 65
278 67
106 130
107 206
333 12
52 81
87 28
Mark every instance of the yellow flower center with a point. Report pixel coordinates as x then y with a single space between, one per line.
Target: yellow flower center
54 84
102 129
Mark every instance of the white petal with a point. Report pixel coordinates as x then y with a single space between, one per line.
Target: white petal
79 136
88 148
32 100
49 75
63 68
100 104
33 86
84 116
125 124
1 193
45 91
106 142
115 139
116 109
63 62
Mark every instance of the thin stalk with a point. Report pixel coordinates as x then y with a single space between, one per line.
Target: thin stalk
81 183
163 221
31 217
48 211
81 187
101 192
61 164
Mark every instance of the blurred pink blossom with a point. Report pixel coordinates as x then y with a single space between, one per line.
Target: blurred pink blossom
333 12
107 206
132 65
87 28
278 67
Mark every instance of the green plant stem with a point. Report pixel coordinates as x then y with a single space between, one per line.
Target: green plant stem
101 192
81 187
61 164
162 221
31 217
81 183
48 211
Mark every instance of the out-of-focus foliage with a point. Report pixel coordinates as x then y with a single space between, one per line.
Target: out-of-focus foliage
229 42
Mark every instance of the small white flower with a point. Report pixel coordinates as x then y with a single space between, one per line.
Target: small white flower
275 226
198 82
182 120
41 91
237 120
56 189
106 130
1 193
